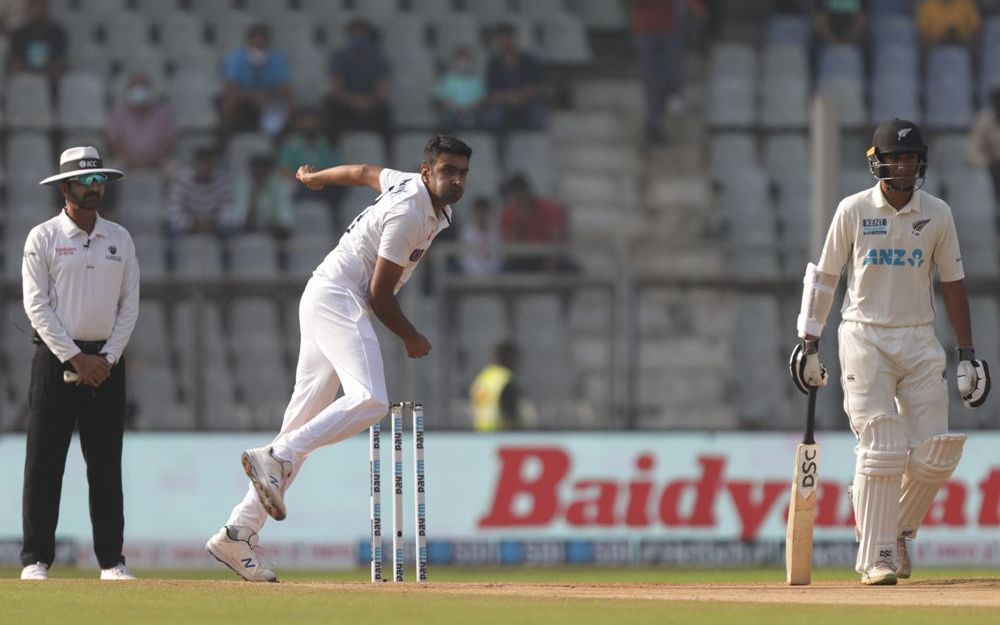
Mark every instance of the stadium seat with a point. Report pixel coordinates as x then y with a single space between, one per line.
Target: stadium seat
307 252
732 153
85 104
756 354
900 60
313 217
124 33
751 235
412 94
482 322
788 29
848 95
794 220
490 11
854 180
531 154
486 160
432 9
541 338
894 96
456 30
949 88
948 152
214 9
192 94
157 10
970 195
29 103
733 59
890 30
32 152
182 38
151 250
784 103
255 321
244 146
253 256
542 11
784 154
198 256
564 39
139 204
148 343
732 102
407 150
600 15
230 30
840 61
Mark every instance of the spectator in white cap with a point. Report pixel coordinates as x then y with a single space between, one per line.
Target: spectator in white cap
81 293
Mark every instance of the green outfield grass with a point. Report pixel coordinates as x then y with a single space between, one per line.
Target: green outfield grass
216 597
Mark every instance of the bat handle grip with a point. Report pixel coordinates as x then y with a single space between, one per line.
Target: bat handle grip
809 437
71 377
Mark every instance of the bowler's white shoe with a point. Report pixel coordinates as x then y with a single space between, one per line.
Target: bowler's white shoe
904 566
880 574
268 473
236 547
37 571
117 573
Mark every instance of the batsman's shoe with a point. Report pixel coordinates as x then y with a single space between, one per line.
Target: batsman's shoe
117 573
904 566
268 474
38 571
236 547
880 574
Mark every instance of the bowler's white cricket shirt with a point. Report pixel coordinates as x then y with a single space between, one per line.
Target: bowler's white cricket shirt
889 256
399 226
80 287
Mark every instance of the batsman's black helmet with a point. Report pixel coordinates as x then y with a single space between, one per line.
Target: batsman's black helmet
897 136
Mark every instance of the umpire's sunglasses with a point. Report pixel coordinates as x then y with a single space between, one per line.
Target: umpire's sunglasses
89 179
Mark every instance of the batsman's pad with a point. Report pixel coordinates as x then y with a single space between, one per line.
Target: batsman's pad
930 465
881 461
973 377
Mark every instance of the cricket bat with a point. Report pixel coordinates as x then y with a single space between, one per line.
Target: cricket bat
802 506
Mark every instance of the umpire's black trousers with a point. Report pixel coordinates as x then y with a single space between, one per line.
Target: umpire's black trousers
55 408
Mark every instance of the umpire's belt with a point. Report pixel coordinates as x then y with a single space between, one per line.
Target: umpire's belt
87 347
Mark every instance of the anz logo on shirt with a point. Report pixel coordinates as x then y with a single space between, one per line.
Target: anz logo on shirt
895 257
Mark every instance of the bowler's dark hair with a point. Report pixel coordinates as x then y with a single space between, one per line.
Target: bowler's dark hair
443 144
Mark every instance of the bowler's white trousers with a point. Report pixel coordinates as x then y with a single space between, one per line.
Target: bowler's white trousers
338 347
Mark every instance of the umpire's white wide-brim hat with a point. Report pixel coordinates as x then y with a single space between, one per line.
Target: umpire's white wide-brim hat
81 160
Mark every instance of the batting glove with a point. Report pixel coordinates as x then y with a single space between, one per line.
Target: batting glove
973 378
806 369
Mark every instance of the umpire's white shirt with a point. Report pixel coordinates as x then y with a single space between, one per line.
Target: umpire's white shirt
890 255
399 226
80 287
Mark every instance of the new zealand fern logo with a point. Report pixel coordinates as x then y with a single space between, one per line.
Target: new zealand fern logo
919 225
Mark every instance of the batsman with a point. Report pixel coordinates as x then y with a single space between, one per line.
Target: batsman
891 238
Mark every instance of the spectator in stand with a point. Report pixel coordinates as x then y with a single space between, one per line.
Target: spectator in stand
495 395
528 218
141 129
263 199
948 21
201 199
659 43
840 21
461 92
482 239
307 143
359 84
39 44
257 93
515 95
984 144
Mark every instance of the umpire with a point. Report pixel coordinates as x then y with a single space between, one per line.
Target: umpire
81 292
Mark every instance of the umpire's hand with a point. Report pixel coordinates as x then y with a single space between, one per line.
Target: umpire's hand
93 370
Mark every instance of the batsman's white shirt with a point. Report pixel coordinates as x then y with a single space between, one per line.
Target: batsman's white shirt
890 359
889 256
338 344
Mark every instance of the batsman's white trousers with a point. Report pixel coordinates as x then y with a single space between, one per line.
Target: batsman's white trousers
338 346
886 371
